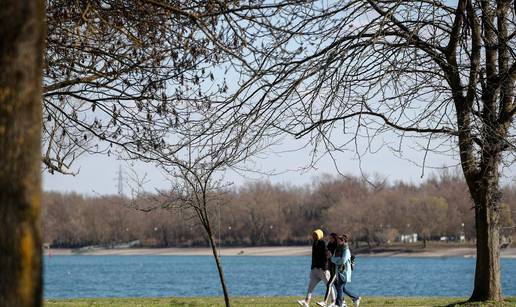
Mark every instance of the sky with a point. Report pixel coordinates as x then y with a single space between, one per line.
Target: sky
97 175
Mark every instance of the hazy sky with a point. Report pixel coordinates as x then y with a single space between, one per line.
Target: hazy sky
97 174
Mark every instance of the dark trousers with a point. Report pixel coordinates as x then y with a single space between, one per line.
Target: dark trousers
341 290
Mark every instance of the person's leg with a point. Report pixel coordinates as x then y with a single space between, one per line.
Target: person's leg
311 286
348 292
332 291
329 279
329 288
338 286
314 280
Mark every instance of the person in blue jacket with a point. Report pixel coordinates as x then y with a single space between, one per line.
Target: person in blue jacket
342 260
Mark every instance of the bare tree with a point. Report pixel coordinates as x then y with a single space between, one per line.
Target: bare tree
117 72
429 216
197 188
432 74
194 188
114 70
22 31
196 184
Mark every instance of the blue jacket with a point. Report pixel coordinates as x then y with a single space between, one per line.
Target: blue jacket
345 259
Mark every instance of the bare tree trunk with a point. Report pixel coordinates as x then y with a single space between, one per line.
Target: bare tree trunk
487 272
219 267
21 48
487 219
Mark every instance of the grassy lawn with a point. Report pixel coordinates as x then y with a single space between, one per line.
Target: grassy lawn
266 302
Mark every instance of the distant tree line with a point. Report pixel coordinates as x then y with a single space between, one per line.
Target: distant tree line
262 213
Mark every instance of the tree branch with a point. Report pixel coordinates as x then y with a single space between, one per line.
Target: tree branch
316 124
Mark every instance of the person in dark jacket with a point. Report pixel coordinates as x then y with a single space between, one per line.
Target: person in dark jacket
319 268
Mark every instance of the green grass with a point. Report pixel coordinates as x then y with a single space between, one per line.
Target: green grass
268 302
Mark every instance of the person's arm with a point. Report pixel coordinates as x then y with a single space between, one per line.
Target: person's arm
327 252
347 255
338 260
346 259
321 249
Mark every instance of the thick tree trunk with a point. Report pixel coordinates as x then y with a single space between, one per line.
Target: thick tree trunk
219 268
487 216
21 48
487 273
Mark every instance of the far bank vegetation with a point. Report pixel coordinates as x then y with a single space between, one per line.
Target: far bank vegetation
262 213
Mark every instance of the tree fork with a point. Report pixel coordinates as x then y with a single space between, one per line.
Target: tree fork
22 34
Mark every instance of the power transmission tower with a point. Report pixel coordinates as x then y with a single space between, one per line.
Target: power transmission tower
120 181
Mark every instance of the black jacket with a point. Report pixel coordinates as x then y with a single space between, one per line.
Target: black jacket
331 250
319 259
332 247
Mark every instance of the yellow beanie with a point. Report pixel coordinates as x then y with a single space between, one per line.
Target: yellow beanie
319 233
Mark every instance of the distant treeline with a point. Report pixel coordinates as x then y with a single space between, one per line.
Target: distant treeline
274 214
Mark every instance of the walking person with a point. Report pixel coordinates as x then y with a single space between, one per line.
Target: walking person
319 268
332 245
342 261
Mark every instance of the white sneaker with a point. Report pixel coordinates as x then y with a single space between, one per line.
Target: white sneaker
357 302
302 303
322 304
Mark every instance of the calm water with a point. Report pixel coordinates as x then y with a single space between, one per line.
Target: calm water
135 276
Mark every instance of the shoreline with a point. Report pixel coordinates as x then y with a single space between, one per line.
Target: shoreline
267 301
266 251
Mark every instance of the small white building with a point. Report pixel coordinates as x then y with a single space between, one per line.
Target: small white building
408 238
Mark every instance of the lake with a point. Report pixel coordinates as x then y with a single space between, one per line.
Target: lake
148 276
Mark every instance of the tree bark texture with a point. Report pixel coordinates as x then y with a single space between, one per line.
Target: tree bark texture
487 273
22 33
486 196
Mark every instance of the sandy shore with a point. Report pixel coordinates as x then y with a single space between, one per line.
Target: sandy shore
269 251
